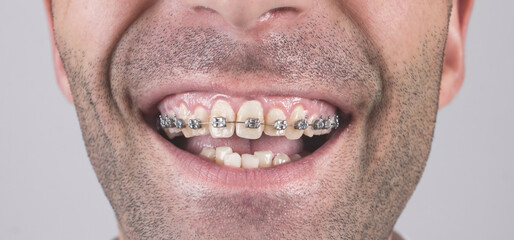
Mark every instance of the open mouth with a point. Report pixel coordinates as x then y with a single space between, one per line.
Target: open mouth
248 133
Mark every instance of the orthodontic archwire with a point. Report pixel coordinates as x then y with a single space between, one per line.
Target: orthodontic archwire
320 123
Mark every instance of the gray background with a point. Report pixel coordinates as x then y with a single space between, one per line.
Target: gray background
48 189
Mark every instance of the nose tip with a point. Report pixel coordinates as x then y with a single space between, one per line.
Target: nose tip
245 14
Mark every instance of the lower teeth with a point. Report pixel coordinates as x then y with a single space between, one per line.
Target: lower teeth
260 159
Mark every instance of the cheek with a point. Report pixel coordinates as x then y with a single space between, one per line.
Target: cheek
398 27
93 27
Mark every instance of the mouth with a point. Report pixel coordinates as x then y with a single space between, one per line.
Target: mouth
249 142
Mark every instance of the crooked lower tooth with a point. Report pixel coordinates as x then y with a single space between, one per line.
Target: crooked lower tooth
281 158
274 115
249 161
221 152
250 110
209 153
265 158
222 109
232 160
297 114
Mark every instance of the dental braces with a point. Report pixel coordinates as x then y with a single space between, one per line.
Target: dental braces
252 123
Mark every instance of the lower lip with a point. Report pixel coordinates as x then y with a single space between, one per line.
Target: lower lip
205 172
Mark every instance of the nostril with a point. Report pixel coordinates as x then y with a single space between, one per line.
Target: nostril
278 12
202 9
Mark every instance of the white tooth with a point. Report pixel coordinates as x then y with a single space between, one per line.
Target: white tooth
320 131
209 153
250 109
265 158
249 161
221 152
309 131
222 109
273 115
280 159
232 160
297 114
185 114
295 157
202 115
172 132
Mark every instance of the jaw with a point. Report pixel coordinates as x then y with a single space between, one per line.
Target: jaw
354 186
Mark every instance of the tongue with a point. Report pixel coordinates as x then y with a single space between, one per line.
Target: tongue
241 145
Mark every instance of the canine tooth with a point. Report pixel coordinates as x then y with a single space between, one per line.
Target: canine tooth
297 114
184 114
249 161
209 153
265 158
251 114
295 157
232 160
222 109
280 159
221 152
275 114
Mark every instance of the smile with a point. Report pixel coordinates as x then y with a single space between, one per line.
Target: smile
249 133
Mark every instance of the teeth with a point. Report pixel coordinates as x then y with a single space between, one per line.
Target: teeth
249 161
281 158
310 131
319 125
260 159
184 114
251 114
265 158
272 117
221 152
295 157
200 116
222 109
297 114
209 153
232 160
167 123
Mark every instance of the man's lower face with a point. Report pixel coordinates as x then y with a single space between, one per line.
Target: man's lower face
199 130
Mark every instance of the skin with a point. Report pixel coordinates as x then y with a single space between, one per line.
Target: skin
401 60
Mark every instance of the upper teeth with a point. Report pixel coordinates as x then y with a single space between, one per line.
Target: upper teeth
220 122
249 122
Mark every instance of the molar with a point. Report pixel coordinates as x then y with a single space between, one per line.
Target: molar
170 132
251 118
222 109
297 114
275 114
295 157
